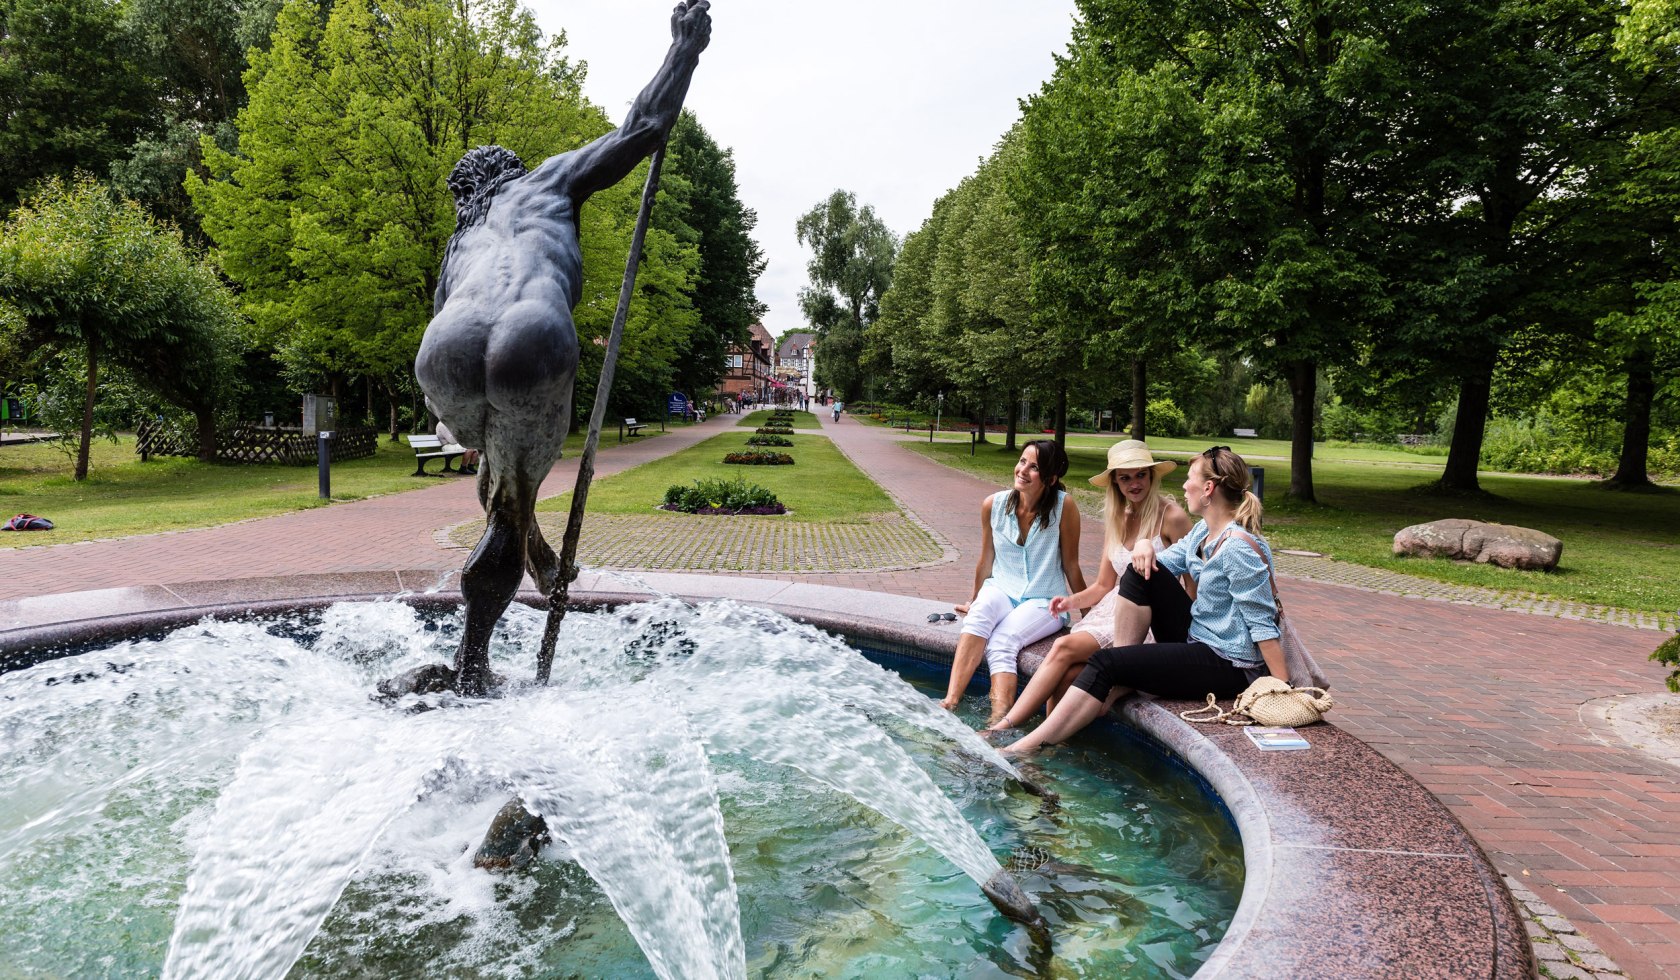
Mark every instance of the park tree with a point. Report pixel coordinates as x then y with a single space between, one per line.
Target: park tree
903 342
73 92
194 54
724 293
334 212
850 268
83 270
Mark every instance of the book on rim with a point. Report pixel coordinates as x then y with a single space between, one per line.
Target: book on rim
1275 739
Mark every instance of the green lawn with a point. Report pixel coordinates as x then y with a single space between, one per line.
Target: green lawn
801 420
821 485
123 496
1619 549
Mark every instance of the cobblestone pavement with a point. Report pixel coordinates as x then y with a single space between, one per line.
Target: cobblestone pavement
1483 706
758 545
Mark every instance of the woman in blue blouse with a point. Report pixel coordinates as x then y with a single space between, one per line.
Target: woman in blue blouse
1029 554
1224 640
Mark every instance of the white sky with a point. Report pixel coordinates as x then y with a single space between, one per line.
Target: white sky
895 100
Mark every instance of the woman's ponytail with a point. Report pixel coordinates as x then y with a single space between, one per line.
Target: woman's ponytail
1248 512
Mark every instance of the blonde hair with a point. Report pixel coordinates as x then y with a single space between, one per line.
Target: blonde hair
1231 481
1151 515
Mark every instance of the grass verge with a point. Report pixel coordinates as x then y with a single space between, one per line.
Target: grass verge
821 486
1619 549
801 420
123 496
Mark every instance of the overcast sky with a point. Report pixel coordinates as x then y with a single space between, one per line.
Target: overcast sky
895 100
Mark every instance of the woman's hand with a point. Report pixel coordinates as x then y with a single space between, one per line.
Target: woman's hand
1061 604
1143 557
961 608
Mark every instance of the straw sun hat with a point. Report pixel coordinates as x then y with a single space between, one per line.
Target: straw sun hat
1131 455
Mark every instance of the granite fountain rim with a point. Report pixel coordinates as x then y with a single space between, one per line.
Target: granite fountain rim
1352 869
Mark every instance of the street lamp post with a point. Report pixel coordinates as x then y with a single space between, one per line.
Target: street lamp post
938 414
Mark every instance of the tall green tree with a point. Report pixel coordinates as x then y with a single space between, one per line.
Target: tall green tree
850 268
73 92
724 294
334 212
82 269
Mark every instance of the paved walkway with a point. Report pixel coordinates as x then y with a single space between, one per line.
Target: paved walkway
1487 708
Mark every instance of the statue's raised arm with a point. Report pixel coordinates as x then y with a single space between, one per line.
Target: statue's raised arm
609 159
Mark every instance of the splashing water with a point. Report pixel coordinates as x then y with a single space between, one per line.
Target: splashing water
235 792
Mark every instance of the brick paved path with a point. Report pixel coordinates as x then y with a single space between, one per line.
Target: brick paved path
1483 706
395 531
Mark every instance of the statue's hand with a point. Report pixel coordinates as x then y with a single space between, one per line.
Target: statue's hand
691 25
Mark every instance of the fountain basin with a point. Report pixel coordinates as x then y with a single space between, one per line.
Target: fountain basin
1352 868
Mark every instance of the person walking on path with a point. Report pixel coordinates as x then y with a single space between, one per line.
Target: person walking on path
1221 642
1029 554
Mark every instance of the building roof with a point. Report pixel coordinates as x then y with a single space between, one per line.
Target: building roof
792 343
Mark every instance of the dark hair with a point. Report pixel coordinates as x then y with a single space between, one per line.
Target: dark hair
1052 466
475 180
1231 478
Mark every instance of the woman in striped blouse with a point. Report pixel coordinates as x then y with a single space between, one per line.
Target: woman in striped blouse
1232 624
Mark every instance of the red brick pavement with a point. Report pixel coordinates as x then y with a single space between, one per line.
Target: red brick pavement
385 533
1483 707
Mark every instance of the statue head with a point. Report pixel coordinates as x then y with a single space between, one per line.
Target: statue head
475 180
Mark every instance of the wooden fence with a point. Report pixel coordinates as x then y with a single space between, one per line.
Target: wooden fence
248 442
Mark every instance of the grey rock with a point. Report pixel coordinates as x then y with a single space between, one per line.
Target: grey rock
1504 545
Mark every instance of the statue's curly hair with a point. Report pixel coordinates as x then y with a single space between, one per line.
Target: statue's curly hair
475 180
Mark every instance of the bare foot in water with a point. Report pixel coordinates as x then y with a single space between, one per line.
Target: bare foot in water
949 704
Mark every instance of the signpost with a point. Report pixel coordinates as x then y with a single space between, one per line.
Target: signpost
677 405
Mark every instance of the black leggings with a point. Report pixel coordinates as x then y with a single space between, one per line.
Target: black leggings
1179 671
1169 605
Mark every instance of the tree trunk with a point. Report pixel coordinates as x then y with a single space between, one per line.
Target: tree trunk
1061 418
391 398
1631 469
206 418
980 418
367 382
1014 420
1303 390
1469 427
87 410
1140 398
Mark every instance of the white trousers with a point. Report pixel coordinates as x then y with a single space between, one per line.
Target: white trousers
1007 627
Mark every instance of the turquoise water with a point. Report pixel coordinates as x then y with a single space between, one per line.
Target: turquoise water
117 761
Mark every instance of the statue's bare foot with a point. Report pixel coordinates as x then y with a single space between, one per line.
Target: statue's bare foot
513 840
435 679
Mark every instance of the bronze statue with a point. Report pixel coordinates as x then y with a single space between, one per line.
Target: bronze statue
500 354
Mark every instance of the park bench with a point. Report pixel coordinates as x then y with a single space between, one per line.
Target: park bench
631 426
1243 433
431 447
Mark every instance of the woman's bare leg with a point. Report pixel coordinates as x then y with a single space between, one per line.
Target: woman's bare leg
1062 686
1068 652
1075 712
1131 621
970 649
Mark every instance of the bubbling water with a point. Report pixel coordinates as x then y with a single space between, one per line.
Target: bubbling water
251 754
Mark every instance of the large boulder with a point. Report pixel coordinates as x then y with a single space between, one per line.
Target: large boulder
1498 544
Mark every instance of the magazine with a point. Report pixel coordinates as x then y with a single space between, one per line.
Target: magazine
1275 739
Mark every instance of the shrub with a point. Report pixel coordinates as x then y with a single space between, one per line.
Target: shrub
1669 654
768 441
722 497
759 459
1161 417
774 430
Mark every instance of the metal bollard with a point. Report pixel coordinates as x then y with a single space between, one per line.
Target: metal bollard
1257 481
323 463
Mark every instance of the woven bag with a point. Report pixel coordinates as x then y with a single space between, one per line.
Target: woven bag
1268 701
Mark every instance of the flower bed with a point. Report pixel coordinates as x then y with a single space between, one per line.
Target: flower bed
768 441
759 459
774 430
722 497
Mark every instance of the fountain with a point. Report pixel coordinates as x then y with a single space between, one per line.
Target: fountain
729 793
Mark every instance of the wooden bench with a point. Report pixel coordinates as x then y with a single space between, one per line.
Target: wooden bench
1244 433
633 427
431 447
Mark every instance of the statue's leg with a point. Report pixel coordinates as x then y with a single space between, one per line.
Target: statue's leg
488 584
540 559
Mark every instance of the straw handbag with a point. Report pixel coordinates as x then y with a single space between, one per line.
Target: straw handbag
1268 701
